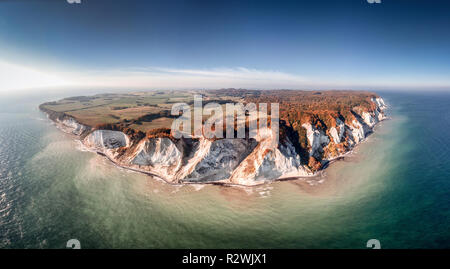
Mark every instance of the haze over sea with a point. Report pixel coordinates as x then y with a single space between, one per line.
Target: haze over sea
395 188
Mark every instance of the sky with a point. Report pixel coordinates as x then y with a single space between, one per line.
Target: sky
346 44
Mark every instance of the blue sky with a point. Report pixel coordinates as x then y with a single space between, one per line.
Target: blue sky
215 44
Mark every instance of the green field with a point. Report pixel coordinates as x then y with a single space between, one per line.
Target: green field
141 111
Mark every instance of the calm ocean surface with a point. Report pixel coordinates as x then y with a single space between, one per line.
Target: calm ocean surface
394 188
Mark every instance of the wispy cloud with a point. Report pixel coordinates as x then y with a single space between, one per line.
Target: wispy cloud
13 76
160 77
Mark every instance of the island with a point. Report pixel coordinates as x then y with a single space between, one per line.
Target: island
133 130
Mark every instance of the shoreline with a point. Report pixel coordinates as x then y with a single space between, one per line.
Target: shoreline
223 183
217 183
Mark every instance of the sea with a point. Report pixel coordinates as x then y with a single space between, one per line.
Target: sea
394 187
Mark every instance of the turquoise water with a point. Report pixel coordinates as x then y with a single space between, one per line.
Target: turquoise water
395 187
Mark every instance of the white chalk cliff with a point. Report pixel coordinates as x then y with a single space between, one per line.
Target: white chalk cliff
232 161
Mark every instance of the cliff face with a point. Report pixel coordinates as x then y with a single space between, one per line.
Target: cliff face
233 161
328 142
66 123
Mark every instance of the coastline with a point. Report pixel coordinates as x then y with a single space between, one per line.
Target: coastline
224 183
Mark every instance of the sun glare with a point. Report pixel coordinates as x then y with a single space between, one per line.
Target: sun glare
15 77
